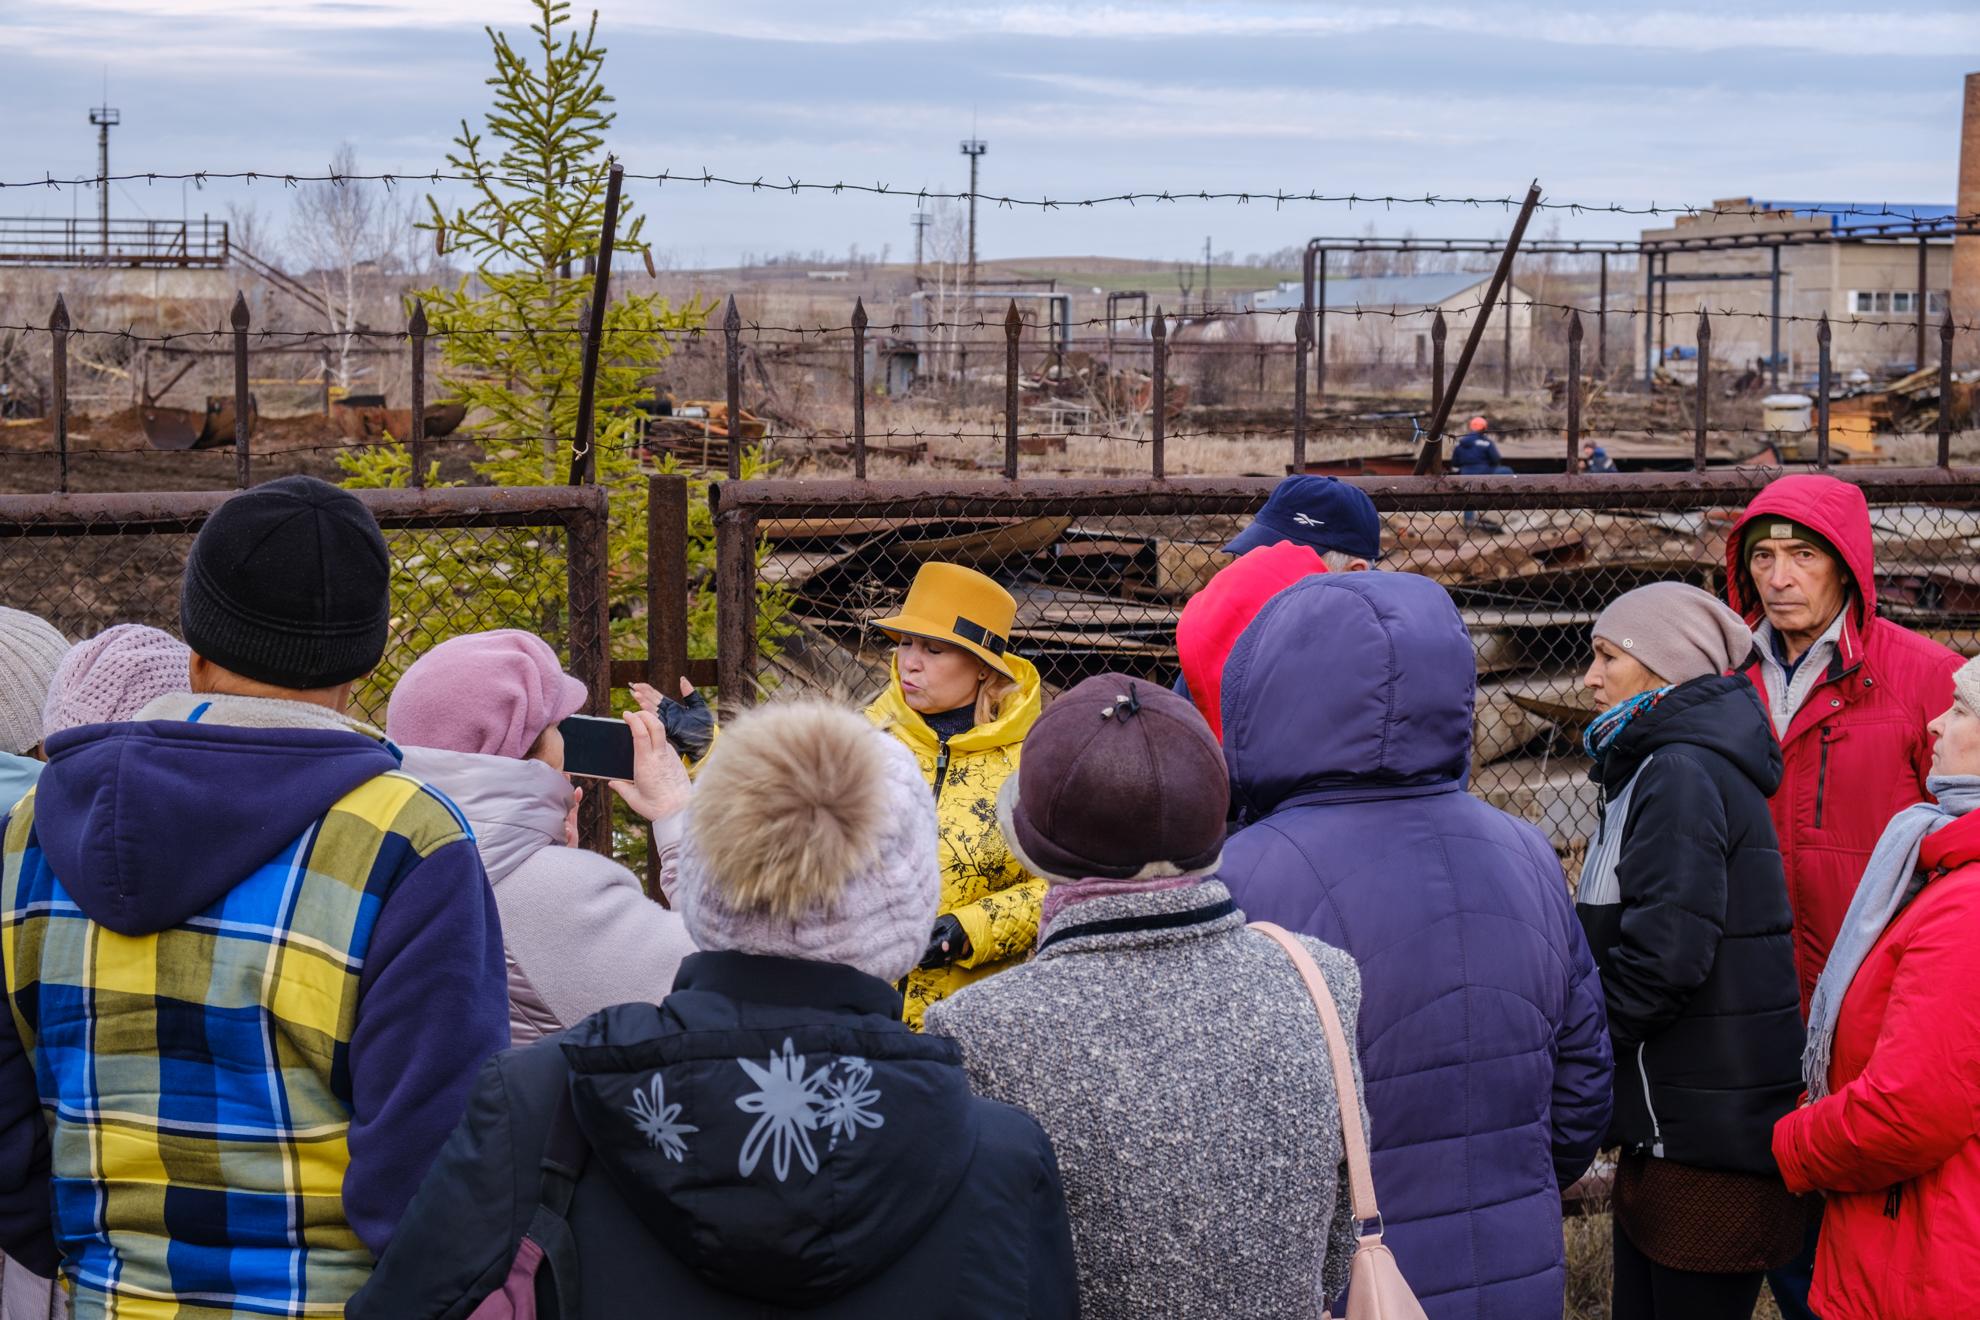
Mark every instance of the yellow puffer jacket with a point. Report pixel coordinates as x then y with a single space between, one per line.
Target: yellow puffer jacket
994 898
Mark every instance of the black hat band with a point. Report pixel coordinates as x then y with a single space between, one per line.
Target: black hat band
982 636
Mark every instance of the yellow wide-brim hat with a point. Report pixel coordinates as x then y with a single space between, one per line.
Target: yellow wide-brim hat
959 606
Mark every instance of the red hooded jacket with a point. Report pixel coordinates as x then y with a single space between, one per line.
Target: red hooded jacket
1857 752
1896 1143
1217 616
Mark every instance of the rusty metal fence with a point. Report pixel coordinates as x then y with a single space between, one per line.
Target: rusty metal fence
462 560
1101 570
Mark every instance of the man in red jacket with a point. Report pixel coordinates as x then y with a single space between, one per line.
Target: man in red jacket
1849 695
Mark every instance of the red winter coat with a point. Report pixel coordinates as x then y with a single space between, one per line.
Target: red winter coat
1896 1144
1857 752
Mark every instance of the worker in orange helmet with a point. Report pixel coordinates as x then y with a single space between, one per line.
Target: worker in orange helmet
1476 456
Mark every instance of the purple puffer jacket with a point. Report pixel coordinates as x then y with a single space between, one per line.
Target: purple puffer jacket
1347 725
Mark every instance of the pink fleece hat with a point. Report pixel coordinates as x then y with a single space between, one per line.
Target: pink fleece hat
493 693
114 675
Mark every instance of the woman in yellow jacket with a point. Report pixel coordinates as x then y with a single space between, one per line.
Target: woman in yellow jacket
963 705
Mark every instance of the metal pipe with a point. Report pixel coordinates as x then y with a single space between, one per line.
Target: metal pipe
1663 306
1095 497
589 609
1320 329
1013 326
666 581
1602 322
1433 445
416 328
1945 388
1439 332
1920 308
58 335
732 376
1822 393
1159 340
859 388
1649 315
1703 405
735 597
1302 348
1774 323
133 513
1574 395
1505 364
584 459
243 402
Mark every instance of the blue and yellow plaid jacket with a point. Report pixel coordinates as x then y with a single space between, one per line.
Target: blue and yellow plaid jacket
197 1079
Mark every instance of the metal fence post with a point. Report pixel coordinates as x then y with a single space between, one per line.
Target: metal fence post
1945 389
1438 333
735 605
1505 366
242 400
584 456
1703 404
859 388
1602 322
1159 359
1013 325
1574 394
732 369
591 641
666 581
58 335
1302 348
416 440
1320 327
1822 394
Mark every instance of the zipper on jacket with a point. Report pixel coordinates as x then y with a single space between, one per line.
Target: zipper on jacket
1892 1199
942 769
1829 735
1656 1132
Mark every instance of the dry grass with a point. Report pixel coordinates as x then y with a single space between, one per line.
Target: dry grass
1588 1272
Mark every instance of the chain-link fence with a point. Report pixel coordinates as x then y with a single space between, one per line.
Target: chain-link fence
463 560
1101 571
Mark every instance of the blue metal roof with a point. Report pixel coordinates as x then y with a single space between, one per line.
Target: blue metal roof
1851 217
1385 290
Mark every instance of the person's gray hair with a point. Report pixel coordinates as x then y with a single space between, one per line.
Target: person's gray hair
1338 561
1966 686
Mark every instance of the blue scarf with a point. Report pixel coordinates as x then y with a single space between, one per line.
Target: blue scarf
1605 728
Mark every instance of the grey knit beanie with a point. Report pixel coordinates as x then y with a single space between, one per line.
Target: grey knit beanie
30 650
812 835
1676 631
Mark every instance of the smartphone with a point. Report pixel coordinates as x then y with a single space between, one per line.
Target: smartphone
597 747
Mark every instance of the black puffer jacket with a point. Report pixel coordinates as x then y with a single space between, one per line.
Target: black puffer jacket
770 1140
1693 937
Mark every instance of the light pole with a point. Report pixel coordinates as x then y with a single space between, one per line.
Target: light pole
105 119
974 149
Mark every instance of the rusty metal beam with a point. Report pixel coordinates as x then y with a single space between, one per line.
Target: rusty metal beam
584 460
132 513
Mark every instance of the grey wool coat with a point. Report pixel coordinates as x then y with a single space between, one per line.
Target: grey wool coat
1178 1066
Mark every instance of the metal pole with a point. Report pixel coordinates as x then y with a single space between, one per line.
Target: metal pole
1439 332
1704 391
584 459
1574 394
1505 365
1774 323
1822 394
1945 389
732 371
1663 306
243 401
1159 338
1302 348
58 334
1920 307
416 328
1602 322
735 605
591 645
859 388
1649 260
1433 444
1320 330
1013 324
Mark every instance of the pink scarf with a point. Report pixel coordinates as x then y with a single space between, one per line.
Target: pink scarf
1059 897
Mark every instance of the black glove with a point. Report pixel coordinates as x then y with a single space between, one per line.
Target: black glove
690 724
946 943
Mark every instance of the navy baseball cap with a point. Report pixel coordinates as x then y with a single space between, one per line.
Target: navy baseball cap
1323 512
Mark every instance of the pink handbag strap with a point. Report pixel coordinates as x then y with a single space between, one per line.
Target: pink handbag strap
1360 1179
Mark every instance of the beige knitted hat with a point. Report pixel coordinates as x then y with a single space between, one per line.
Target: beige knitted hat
30 649
1676 631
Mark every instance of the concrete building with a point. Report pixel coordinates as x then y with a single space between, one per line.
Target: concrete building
1874 271
1394 330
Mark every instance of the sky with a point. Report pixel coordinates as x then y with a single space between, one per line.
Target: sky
1822 99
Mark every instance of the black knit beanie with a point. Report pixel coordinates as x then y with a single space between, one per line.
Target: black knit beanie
288 584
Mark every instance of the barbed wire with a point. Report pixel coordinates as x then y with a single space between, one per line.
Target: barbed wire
791 185
298 340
